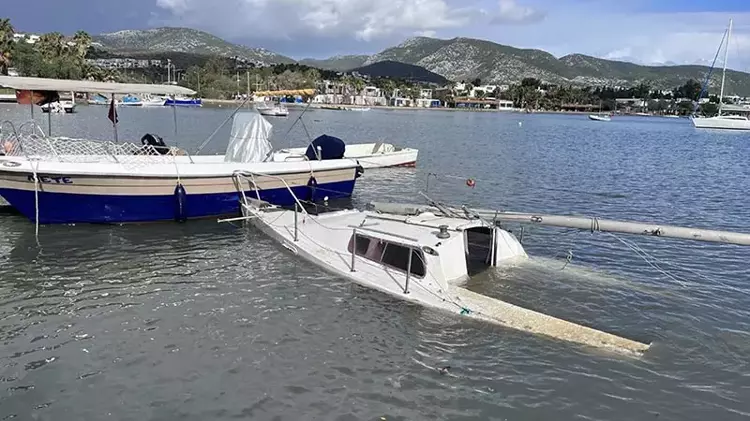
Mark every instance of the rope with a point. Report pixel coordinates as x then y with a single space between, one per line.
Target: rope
34 169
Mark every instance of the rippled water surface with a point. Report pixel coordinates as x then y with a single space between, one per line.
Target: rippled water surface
208 321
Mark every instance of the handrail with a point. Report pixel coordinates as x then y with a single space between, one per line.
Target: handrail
236 175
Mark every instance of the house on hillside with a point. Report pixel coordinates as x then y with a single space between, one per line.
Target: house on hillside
483 91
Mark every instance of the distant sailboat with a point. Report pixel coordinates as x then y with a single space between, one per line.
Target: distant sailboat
731 122
601 116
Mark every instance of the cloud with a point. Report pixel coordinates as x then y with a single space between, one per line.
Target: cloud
364 20
510 12
604 28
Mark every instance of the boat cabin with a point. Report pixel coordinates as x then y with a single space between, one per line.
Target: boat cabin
430 247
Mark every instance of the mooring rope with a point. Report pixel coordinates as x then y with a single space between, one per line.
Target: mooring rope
35 170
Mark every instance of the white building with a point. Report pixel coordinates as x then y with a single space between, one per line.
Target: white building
505 105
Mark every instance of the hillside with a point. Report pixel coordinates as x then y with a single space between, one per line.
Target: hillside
466 58
454 59
397 70
181 40
336 63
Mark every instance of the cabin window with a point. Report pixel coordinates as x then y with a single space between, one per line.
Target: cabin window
390 254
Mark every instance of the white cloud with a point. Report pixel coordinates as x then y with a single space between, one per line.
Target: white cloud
603 28
361 19
512 12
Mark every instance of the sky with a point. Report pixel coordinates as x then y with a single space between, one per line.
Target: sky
643 31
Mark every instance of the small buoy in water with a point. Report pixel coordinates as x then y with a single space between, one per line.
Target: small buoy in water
444 370
471 183
520 123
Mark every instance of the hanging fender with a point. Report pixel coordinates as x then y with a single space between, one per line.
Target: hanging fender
180 196
312 183
359 171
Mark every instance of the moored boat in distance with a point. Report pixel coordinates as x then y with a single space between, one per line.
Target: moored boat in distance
182 101
723 121
727 122
272 110
67 107
130 101
98 99
600 117
369 155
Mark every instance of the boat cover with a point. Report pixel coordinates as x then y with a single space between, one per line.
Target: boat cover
248 141
330 148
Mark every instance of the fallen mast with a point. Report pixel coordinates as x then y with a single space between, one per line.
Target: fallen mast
592 224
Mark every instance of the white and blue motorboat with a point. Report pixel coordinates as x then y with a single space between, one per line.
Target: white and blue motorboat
130 101
66 181
182 101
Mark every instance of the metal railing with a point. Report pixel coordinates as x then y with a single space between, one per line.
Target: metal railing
250 176
49 147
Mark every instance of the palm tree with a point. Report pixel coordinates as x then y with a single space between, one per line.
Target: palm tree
6 45
358 85
82 42
52 45
387 87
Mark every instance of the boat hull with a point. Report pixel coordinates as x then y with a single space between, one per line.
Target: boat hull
387 155
129 199
599 118
273 112
721 123
183 102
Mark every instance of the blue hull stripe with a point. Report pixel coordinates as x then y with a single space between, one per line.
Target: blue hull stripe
65 208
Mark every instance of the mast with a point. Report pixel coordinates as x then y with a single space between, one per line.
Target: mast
724 72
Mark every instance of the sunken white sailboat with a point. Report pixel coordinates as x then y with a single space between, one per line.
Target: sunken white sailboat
423 258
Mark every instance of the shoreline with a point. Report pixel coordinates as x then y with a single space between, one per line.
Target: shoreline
235 103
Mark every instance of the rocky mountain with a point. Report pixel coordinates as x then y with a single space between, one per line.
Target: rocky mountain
466 58
337 63
182 40
455 59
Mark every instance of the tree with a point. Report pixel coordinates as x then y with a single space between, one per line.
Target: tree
387 87
82 42
690 90
358 85
476 82
530 82
52 45
6 45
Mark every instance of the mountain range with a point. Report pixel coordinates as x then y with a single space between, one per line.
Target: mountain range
455 59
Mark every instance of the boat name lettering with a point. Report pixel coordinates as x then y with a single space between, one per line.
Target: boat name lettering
51 179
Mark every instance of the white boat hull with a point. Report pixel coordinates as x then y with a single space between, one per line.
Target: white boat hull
67 107
369 155
273 112
599 117
722 122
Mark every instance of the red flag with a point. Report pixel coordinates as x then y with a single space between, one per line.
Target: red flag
112 116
